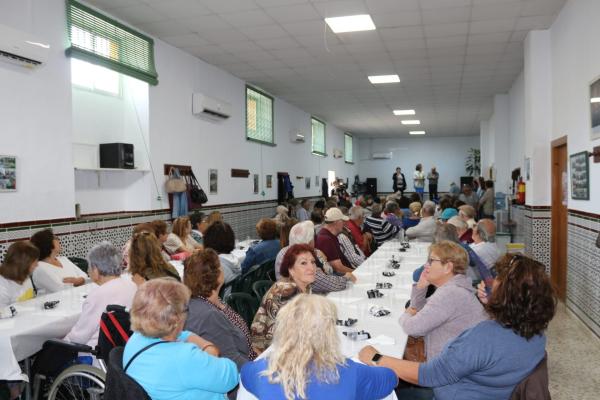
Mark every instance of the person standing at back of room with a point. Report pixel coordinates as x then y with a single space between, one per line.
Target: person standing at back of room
419 180
399 182
433 177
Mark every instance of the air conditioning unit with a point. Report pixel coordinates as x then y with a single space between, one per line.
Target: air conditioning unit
210 107
382 156
21 48
337 153
297 136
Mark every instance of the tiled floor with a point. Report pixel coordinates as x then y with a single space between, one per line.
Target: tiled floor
574 358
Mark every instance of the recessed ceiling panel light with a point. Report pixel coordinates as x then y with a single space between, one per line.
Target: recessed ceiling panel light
351 23
376 79
404 112
595 100
411 122
417 132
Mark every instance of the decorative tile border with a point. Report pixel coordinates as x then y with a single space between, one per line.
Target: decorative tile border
532 226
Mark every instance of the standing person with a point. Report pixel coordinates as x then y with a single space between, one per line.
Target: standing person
399 182
468 196
419 181
433 177
486 201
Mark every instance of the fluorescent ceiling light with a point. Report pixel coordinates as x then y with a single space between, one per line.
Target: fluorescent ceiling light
595 100
411 122
351 23
375 79
417 132
404 112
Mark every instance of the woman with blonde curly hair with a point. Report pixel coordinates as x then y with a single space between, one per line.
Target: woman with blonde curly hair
306 361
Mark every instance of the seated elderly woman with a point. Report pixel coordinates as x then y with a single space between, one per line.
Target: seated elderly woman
209 317
220 237
306 361
264 250
487 361
298 270
168 362
453 307
20 261
281 215
54 272
325 280
145 259
105 271
414 217
180 239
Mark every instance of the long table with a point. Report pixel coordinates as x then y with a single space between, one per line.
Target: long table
386 333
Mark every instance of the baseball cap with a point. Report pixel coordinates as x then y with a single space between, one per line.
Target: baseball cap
334 214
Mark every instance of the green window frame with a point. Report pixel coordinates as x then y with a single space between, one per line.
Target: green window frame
348 148
260 117
129 52
318 137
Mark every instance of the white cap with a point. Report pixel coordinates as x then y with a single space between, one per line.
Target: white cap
334 214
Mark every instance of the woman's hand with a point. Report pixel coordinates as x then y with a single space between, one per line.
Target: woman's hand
204 345
411 310
74 281
366 354
423 281
481 293
350 276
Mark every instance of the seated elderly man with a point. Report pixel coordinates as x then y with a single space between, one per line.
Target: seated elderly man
467 213
425 229
264 250
379 227
468 196
465 235
354 225
483 244
327 241
302 213
350 248
325 280
393 214
105 270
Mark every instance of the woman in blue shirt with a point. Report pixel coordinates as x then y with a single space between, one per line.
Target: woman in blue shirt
305 361
171 363
490 359
264 250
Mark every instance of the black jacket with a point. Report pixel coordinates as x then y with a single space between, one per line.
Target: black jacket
395 185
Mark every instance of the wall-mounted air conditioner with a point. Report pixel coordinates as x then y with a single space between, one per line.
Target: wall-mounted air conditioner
210 107
296 136
337 153
382 156
22 48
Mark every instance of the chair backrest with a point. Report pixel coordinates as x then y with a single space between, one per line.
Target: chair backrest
244 304
259 272
535 385
265 268
115 330
119 385
81 263
260 288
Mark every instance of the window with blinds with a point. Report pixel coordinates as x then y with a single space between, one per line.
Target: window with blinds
259 116
100 40
348 150
318 137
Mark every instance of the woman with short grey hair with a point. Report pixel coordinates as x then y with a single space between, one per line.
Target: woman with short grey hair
109 287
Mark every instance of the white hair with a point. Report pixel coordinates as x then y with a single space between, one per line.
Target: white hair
428 207
105 258
356 212
458 222
302 233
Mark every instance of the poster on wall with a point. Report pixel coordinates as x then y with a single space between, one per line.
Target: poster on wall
317 181
580 181
595 109
269 181
213 181
8 173
307 182
255 183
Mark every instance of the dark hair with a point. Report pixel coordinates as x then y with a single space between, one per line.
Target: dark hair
201 272
458 203
316 217
196 218
445 202
160 227
44 241
289 259
414 197
266 229
404 202
481 180
219 237
489 184
284 232
523 299
18 259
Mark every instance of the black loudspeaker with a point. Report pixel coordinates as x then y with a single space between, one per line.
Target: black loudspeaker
116 155
372 186
466 180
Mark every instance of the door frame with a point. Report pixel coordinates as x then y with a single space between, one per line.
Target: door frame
559 223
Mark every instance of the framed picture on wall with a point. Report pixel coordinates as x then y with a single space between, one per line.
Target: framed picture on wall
8 173
213 181
269 181
580 176
307 182
255 183
595 109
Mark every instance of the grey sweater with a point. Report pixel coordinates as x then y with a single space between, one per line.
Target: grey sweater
452 309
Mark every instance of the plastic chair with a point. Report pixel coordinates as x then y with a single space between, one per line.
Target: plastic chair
244 304
81 263
260 288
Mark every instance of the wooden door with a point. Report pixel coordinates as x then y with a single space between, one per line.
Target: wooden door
559 216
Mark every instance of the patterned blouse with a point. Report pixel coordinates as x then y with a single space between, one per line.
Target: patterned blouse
280 293
237 321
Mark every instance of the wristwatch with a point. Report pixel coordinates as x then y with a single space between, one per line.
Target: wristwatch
376 358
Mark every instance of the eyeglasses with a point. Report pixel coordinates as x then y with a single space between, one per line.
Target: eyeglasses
431 260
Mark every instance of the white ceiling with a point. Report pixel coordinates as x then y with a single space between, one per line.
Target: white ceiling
452 56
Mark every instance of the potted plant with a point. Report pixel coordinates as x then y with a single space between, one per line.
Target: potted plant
473 162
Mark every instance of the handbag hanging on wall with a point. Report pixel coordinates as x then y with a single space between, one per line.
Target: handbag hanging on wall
175 183
197 194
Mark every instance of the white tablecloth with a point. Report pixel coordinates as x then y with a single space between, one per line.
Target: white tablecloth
386 333
239 252
23 335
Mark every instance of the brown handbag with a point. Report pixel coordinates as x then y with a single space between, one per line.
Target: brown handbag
415 349
175 183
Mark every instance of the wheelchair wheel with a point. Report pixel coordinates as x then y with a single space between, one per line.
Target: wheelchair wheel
78 382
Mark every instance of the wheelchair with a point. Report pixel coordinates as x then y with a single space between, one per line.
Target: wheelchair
53 381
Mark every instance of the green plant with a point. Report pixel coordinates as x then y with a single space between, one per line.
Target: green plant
473 162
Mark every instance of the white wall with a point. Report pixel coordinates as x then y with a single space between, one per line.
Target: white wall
446 153
516 125
35 111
